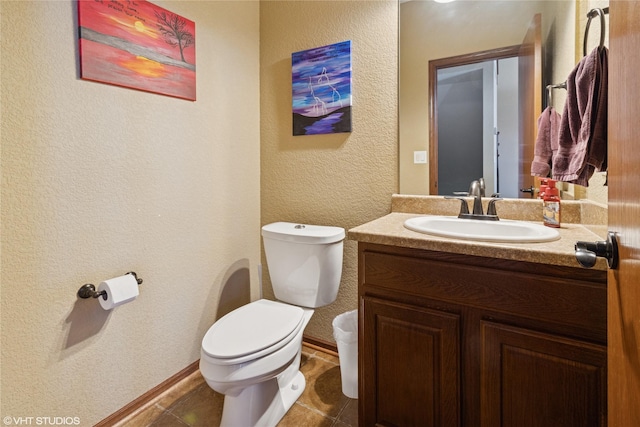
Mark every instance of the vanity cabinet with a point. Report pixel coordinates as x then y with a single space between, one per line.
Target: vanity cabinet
457 340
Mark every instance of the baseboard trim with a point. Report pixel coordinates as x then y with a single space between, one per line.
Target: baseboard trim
320 344
161 388
148 397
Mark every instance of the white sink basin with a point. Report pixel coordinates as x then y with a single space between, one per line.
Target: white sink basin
503 230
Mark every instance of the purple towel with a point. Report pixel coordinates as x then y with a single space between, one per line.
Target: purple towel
546 146
582 144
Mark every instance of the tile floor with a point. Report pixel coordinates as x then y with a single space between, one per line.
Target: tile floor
194 404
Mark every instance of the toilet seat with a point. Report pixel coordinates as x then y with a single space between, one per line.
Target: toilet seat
251 331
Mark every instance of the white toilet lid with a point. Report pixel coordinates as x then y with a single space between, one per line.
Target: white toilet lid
251 328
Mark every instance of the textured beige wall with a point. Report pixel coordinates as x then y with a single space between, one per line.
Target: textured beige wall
342 179
98 180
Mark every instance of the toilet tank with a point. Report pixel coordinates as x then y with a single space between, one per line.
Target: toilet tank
304 262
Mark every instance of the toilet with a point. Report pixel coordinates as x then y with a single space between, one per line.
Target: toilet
252 354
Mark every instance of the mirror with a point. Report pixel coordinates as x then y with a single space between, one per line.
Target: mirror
432 31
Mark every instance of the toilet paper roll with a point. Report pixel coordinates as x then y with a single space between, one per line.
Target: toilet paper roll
120 290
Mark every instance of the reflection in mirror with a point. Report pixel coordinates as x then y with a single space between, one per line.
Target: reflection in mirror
475 123
432 31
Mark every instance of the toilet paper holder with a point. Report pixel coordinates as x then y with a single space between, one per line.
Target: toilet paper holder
88 290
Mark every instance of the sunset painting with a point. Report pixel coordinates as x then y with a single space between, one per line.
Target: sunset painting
321 89
136 44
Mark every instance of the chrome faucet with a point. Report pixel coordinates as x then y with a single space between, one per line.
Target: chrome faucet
477 191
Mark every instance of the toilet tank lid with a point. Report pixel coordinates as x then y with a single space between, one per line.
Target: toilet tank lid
303 233
251 328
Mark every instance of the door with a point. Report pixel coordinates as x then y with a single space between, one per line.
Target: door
624 214
537 379
477 122
411 372
530 75
461 95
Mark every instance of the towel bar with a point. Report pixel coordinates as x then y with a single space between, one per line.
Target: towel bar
550 88
592 14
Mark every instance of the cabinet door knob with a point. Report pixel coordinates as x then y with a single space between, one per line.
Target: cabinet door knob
588 252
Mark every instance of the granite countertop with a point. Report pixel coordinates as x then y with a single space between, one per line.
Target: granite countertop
389 230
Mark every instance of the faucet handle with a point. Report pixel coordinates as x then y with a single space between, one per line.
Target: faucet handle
464 207
491 209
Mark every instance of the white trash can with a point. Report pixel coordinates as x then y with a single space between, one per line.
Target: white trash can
345 332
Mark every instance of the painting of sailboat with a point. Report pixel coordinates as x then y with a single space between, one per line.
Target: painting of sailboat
138 45
321 89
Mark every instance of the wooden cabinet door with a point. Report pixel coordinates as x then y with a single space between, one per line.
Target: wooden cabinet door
410 366
533 379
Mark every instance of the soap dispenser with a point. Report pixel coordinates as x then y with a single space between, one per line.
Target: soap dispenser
551 205
543 187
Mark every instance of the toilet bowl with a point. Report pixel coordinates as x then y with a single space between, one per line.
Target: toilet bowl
254 342
252 354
